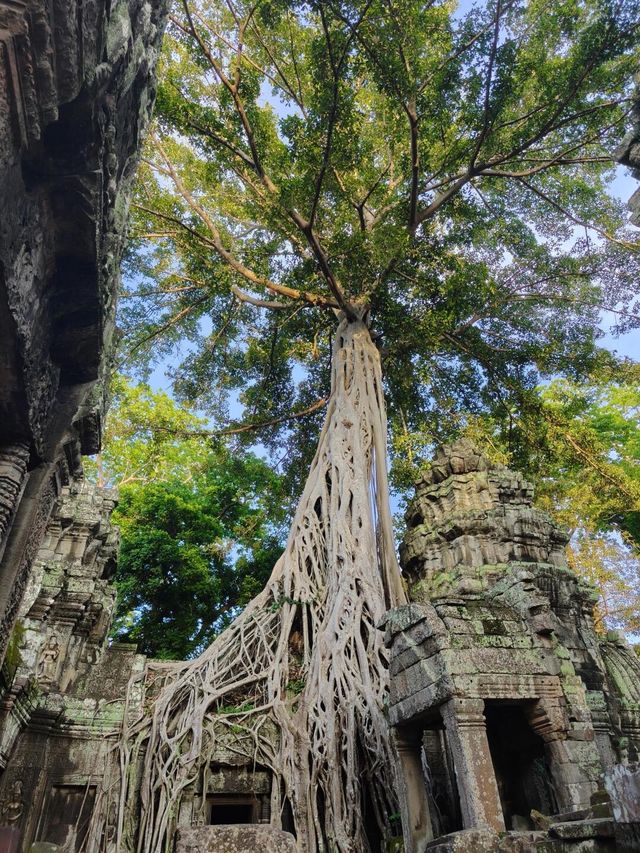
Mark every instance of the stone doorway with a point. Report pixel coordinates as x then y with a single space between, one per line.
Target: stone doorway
440 781
231 809
428 794
520 764
66 815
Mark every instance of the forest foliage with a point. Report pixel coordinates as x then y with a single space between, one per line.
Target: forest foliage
200 527
441 170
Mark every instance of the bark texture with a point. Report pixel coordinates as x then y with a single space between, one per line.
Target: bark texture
298 682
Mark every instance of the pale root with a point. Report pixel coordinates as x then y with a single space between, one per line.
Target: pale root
298 682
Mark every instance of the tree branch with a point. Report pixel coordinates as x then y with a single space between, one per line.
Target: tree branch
487 93
259 303
575 220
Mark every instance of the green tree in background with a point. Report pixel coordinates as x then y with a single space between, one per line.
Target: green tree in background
580 445
199 524
404 180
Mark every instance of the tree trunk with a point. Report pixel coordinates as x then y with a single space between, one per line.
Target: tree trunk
297 683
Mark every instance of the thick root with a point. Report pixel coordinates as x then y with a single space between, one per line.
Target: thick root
297 683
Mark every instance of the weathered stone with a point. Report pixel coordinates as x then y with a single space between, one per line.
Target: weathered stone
500 616
75 100
234 839
76 92
576 830
623 786
466 841
478 841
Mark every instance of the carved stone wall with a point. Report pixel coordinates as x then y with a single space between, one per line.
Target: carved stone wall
66 693
64 697
76 91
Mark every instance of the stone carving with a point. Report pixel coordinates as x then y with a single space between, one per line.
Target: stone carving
68 608
48 663
24 548
76 91
61 715
13 806
622 667
13 469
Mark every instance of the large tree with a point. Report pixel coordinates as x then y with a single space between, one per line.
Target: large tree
200 526
580 445
404 179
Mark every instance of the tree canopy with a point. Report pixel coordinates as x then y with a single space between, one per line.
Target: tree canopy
200 526
580 445
442 169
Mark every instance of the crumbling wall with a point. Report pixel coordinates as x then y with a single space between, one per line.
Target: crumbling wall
65 686
498 679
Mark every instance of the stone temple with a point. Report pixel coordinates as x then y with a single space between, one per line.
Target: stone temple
516 726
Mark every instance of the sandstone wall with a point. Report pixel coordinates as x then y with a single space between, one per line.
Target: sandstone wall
76 91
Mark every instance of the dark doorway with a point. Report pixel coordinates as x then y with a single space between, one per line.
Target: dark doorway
233 809
520 764
66 816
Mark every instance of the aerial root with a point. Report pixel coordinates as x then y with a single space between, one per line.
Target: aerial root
297 683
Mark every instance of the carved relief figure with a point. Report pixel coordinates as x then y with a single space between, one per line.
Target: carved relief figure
13 805
48 663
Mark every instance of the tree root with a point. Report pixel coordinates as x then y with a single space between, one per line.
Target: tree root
297 683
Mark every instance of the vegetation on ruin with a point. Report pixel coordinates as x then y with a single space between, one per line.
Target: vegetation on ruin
580 446
343 201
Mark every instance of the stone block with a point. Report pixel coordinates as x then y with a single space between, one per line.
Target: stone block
466 841
623 786
577 830
401 619
237 838
405 659
407 708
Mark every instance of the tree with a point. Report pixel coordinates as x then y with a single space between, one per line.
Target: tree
199 525
437 182
178 585
581 447
446 174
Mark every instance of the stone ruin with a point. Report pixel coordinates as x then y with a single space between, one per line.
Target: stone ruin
76 93
516 726
510 713
65 690
64 693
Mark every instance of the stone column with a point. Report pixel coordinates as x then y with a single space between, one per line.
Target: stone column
467 737
572 754
412 795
